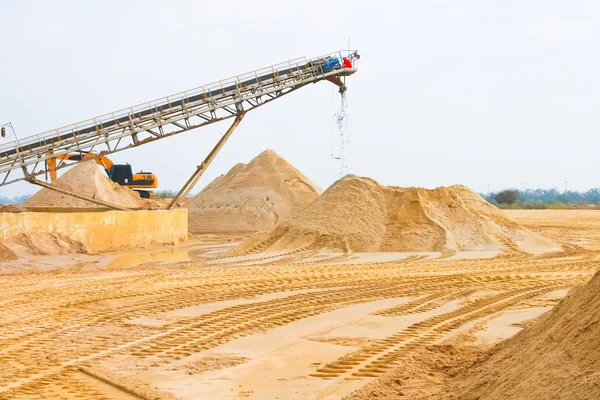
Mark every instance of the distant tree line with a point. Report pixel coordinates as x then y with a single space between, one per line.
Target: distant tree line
14 200
167 194
543 196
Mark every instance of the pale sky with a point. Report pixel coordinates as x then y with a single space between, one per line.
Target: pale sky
471 92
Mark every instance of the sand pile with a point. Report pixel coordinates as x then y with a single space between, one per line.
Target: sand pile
358 214
12 209
556 358
423 375
6 254
87 179
251 197
46 244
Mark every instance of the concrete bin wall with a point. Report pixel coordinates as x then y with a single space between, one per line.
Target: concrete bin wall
102 231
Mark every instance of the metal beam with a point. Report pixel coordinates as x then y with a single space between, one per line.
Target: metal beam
338 82
178 125
185 190
171 115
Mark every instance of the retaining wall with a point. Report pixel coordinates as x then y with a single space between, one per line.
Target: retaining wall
102 231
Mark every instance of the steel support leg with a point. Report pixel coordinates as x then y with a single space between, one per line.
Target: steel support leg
79 196
338 82
189 185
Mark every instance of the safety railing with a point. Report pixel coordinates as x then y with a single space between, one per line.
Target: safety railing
292 67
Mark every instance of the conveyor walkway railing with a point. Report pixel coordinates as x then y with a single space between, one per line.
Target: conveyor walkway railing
25 159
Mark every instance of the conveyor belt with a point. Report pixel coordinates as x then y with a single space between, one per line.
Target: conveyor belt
149 111
170 115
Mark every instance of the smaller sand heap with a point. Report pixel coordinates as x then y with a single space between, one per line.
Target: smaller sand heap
251 197
6 254
44 244
358 214
87 179
556 358
12 209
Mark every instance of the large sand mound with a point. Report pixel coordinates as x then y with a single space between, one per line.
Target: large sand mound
251 197
358 214
556 358
87 179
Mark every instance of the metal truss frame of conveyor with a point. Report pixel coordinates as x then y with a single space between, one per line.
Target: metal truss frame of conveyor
189 185
168 116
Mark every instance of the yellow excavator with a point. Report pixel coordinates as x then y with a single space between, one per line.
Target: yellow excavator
119 173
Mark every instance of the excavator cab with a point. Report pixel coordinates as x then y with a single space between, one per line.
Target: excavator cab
124 176
121 174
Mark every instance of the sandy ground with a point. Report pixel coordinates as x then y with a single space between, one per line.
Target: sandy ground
188 323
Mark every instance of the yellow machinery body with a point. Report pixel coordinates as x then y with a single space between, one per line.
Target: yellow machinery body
119 173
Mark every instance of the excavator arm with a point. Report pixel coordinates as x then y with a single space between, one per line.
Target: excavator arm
55 162
121 174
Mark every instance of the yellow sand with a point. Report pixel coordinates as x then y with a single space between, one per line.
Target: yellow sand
358 214
251 197
86 179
